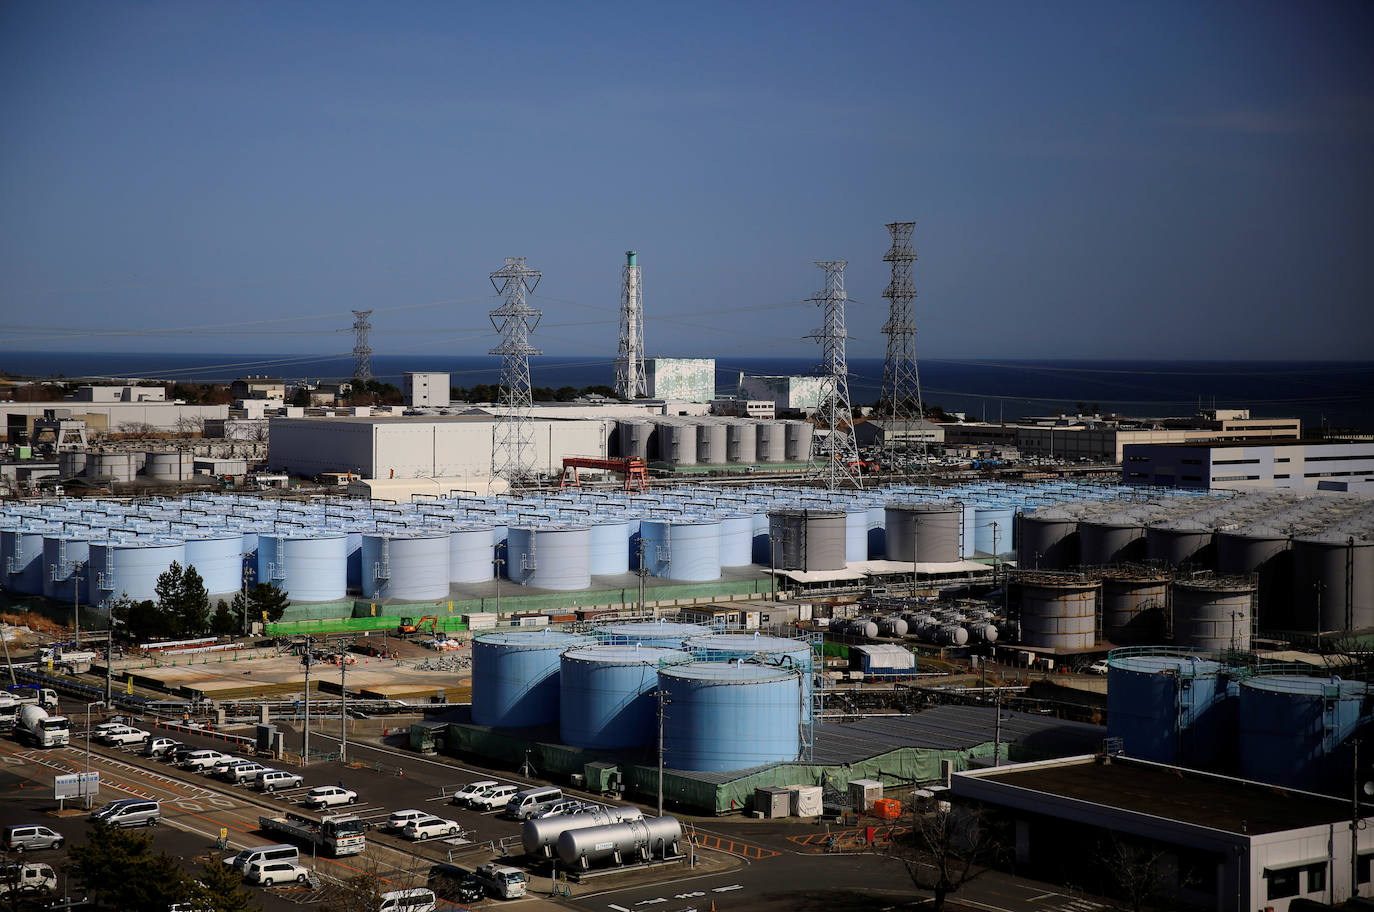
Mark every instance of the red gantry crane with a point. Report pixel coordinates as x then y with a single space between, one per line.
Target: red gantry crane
634 470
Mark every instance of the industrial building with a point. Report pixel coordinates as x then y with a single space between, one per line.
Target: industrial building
111 409
1103 440
1179 836
788 394
427 389
882 433
1309 464
688 379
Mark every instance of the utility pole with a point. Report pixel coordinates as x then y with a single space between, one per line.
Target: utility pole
76 600
901 388
305 740
663 701
247 573
997 728
513 455
499 562
109 663
642 572
343 709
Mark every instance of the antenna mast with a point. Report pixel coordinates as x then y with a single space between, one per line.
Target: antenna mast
836 452
512 452
362 352
901 391
629 362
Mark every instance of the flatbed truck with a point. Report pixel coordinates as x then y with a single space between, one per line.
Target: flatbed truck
332 834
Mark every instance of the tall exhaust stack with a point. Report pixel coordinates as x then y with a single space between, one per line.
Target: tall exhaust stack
629 361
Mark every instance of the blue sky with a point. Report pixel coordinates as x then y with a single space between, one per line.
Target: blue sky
1147 180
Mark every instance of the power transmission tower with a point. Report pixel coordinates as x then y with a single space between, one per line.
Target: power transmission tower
512 452
901 390
362 352
836 451
629 362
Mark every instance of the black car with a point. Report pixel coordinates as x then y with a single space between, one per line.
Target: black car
455 884
178 754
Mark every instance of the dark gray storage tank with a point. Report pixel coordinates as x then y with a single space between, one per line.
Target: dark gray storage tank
926 533
1058 610
1267 553
1182 542
1333 582
1135 604
1047 540
1213 613
1111 541
807 539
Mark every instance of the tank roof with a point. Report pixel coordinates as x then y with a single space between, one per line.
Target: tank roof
627 655
653 628
542 638
748 642
1154 664
727 672
1302 684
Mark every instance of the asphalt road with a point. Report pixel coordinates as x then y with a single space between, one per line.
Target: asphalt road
775 866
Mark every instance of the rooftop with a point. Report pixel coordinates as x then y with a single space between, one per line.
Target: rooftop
1246 442
1174 793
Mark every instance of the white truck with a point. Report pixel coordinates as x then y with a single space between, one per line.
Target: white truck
334 834
69 661
28 695
42 729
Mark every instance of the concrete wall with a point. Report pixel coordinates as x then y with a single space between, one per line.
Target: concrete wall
691 379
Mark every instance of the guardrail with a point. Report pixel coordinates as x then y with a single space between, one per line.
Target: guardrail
206 733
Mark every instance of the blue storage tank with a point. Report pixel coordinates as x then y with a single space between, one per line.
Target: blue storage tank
729 716
309 566
129 566
1293 729
855 535
22 553
552 556
737 539
761 539
410 566
771 650
877 531
610 546
606 699
992 530
660 633
1171 707
65 558
515 676
470 555
218 558
682 549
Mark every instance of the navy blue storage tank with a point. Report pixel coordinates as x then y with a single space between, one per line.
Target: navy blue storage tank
770 650
1293 729
515 676
606 697
729 716
1171 707
23 558
66 567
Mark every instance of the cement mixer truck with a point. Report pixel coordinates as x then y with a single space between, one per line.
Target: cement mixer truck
42 729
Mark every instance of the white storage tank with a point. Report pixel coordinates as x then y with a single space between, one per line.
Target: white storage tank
610 545
685 549
129 566
469 554
218 558
310 565
736 540
410 566
550 556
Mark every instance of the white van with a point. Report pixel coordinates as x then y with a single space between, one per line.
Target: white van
465 794
523 804
278 852
416 900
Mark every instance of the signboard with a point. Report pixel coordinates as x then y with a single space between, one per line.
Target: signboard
76 785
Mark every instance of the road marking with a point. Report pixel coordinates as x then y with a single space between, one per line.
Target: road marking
651 902
619 908
692 895
727 889
1041 896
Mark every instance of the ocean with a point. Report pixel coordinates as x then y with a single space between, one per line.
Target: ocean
1338 394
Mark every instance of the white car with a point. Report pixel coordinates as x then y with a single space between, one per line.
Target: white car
157 747
243 771
271 780
274 872
465 794
429 827
123 734
494 798
223 763
399 820
323 796
201 759
1097 668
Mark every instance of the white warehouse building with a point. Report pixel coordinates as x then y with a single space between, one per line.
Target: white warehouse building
457 446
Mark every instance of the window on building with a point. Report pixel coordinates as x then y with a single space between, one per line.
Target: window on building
1217 462
1316 877
1283 882
1363 869
1192 478
1281 476
1280 458
1235 478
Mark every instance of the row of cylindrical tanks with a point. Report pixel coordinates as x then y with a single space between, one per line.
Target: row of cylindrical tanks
126 465
682 441
729 700
1312 558
1077 610
938 629
96 550
618 833
1274 724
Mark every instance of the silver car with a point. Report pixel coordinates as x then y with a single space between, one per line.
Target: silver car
28 837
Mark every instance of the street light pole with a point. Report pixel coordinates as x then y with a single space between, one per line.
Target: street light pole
305 739
662 702
76 601
343 709
86 783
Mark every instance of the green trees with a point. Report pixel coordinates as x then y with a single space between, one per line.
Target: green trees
182 608
120 869
221 889
263 598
